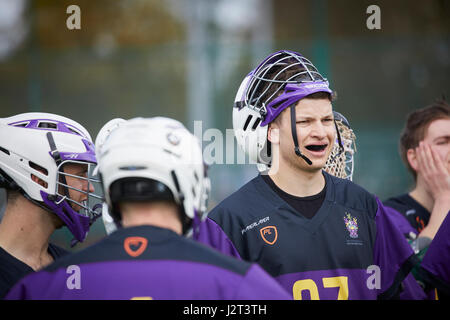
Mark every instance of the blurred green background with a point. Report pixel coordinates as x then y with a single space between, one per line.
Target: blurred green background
185 59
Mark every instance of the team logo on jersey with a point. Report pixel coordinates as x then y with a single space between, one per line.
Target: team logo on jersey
351 223
269 234
134 246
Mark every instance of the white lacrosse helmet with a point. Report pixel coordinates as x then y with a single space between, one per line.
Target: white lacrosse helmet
147 159
255 106
250 136
40 144
105 131
102 136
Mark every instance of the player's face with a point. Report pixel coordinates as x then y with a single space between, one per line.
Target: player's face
79 170
438 136
315 133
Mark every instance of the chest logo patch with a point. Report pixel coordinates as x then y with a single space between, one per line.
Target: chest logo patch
269 234
351 223
135 246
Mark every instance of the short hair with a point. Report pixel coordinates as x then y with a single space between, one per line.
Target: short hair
416 126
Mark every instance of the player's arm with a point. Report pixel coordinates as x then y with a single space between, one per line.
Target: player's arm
418 244
435 265
395 257
211 234
259 285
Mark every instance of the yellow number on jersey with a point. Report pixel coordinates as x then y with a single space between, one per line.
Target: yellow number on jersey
331 282
307 284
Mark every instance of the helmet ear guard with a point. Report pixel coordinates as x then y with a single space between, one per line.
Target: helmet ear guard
251 136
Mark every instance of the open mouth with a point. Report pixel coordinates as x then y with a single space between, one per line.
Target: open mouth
316 147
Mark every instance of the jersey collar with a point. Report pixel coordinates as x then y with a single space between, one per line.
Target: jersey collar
278 205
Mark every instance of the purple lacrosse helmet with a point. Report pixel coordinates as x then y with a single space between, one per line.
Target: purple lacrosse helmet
265 93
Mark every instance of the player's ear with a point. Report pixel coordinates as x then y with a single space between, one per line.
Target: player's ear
273 133
412 159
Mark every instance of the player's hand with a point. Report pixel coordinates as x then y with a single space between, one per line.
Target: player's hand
437 179
434 172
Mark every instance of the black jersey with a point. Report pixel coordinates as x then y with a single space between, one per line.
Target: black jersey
306 206
12 269
412 211
148 262
334 255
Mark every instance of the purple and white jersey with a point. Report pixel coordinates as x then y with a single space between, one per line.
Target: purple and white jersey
148 262
350 249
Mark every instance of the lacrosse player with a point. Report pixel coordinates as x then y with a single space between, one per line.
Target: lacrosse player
44 164
317 234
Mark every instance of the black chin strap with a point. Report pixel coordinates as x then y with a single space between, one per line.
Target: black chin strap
294 136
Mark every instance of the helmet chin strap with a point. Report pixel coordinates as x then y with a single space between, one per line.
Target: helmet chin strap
294 136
